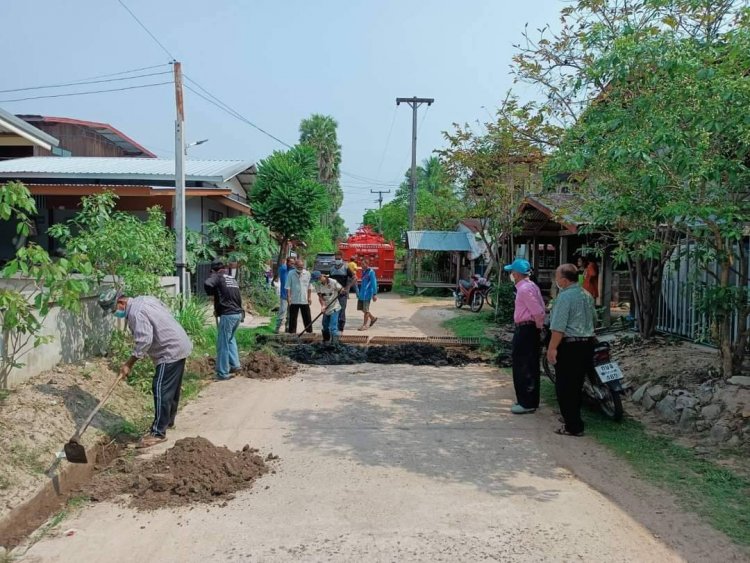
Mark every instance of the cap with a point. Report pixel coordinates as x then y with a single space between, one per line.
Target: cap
108 299
520 266
217 265
315 276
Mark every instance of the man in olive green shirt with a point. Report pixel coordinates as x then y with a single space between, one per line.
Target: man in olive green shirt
571 348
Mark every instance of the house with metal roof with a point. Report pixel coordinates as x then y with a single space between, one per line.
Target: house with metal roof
19 138
441 258
214 189
79 137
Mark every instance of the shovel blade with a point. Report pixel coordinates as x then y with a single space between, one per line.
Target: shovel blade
75 452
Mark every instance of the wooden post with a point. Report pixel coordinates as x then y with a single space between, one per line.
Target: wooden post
605 286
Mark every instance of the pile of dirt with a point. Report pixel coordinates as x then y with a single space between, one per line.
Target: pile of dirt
193 470
262 365
342 354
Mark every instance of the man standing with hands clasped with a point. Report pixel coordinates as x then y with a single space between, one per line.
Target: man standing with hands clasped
299 296
528 319
571 348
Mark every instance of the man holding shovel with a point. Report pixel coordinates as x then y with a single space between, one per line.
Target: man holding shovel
328 290
158 335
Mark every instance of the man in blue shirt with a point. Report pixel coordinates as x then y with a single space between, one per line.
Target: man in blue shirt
368 292
283 304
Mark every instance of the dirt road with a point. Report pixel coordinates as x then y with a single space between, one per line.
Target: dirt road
391 463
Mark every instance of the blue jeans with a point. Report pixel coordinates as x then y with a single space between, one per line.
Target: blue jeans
227 355
331 326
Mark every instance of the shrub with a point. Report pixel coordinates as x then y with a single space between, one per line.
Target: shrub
505 297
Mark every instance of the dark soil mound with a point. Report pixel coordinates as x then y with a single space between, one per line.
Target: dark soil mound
193 470
261 365
342 354
326 354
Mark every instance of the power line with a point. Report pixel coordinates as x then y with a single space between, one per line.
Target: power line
387 142
82 82
159 43
233 113
85 93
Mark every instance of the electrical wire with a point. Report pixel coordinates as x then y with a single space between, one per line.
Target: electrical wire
387 142
159 43
82 82
235 114
86 93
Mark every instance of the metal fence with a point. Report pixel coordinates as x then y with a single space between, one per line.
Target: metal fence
682 288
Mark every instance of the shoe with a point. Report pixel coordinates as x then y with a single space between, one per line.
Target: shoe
220 378
563 432
171 426
362 328
150 440
518 409
235 370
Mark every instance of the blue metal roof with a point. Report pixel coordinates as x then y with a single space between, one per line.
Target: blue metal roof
445 241
120 168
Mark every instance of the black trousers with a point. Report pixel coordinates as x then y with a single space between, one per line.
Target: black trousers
574 361
294 311
343 300
525 355
166 388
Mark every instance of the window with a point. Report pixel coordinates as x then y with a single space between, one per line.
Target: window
214 216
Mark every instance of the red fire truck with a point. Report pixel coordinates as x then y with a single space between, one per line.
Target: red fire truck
366 243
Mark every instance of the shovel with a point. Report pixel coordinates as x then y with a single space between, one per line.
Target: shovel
319 315
74 451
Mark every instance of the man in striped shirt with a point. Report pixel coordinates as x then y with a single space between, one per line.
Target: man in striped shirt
158 335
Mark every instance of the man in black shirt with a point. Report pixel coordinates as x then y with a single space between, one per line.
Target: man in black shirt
228 309
343 275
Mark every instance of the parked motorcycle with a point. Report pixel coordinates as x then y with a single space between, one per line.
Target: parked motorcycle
473 293
603 384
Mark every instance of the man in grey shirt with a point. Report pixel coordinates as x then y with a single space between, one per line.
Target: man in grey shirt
571 347
158 335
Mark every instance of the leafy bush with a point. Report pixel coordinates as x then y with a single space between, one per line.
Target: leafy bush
192 314
505 298
262 296
120 348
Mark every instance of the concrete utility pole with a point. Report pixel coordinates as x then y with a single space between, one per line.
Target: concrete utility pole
414 102
179 181
380 206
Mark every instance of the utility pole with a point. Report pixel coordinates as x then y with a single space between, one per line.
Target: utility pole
414 102
380 206
179 181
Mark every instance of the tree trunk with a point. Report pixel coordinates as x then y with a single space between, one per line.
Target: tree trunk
743 311
645 278
283 243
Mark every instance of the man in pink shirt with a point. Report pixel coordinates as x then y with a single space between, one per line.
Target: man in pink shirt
528 318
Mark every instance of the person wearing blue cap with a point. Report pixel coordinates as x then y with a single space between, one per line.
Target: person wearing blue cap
328 290
528 319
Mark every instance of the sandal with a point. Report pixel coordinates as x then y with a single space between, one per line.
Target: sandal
150 440
563 432
360 329
373 321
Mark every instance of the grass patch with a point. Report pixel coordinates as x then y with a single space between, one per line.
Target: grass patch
4 394
245 339
25 457
715 493
472 325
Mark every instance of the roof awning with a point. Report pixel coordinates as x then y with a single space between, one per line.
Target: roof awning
439 241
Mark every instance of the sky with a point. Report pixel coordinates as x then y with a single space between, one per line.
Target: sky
276 62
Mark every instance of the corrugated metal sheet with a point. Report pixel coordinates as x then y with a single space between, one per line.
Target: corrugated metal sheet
446 241
120 168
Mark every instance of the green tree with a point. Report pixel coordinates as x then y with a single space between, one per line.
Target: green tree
319 132
35 284
287 198
240 239
134 252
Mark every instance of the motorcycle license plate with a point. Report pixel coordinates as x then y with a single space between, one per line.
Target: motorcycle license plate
609 372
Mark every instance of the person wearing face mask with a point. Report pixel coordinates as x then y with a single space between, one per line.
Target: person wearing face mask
528 319
158 335
299 296
571 347
283 318
344 276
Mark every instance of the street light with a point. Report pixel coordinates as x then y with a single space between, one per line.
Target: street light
195 144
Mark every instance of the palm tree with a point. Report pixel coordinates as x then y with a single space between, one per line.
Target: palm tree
319 132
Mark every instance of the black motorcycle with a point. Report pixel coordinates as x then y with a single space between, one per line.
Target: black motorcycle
603 384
